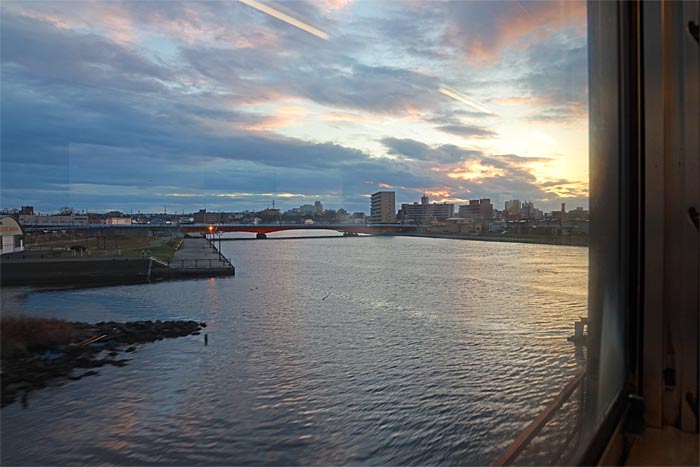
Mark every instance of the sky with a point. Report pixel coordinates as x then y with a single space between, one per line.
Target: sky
159 105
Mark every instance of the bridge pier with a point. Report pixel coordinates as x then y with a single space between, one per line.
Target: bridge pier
260 236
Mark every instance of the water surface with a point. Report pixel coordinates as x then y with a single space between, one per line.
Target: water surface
370 350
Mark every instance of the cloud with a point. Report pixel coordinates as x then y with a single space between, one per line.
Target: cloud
417 150
48 54
133 103
484 30
467 131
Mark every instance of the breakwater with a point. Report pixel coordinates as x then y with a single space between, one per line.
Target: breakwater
194 257
37 351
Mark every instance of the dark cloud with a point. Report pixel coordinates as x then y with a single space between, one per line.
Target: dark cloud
46 53
558 74
417 150
467 130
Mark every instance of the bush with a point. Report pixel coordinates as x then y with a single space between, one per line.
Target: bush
25 334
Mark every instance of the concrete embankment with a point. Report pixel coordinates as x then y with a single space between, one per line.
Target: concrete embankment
195 257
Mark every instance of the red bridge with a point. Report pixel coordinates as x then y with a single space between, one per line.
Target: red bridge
262 229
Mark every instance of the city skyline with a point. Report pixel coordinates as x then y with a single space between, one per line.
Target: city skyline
226 106
513 206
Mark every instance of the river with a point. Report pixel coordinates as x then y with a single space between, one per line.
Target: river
369 350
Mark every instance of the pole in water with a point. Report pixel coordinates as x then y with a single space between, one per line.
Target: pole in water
206 339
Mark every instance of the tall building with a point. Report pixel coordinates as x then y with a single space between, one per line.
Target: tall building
319 208
425 213
513 206
477 209
383 208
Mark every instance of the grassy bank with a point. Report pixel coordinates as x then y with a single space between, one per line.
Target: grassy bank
164 251
116 245
21 335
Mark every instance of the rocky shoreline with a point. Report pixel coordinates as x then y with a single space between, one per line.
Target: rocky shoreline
91 346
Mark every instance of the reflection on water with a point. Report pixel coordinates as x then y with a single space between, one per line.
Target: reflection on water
338 350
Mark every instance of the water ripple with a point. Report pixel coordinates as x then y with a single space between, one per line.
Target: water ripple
438 356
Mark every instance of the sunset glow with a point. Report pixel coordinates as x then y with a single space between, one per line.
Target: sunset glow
188 105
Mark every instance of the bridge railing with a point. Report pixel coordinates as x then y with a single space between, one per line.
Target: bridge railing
222 258
553 436
200 263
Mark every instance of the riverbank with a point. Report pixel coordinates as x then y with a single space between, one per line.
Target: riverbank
37 351
187 258
533 239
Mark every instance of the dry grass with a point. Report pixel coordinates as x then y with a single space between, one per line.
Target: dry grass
24 334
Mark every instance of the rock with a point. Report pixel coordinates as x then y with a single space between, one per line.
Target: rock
24 371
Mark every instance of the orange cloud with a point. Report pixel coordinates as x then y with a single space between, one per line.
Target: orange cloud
521 24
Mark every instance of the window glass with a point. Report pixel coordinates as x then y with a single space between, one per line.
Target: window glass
402 188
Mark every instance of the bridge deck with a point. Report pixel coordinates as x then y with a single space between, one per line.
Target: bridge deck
267 228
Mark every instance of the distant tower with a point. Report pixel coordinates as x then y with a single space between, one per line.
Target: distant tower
563 212
424 199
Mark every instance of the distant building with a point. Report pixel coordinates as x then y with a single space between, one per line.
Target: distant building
513 206
560 215
359 217
12 235
383 208
118 221
425 213
455 226
307 209
271 215
319 208
477 209
26 211
578 214
204 217
69 219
